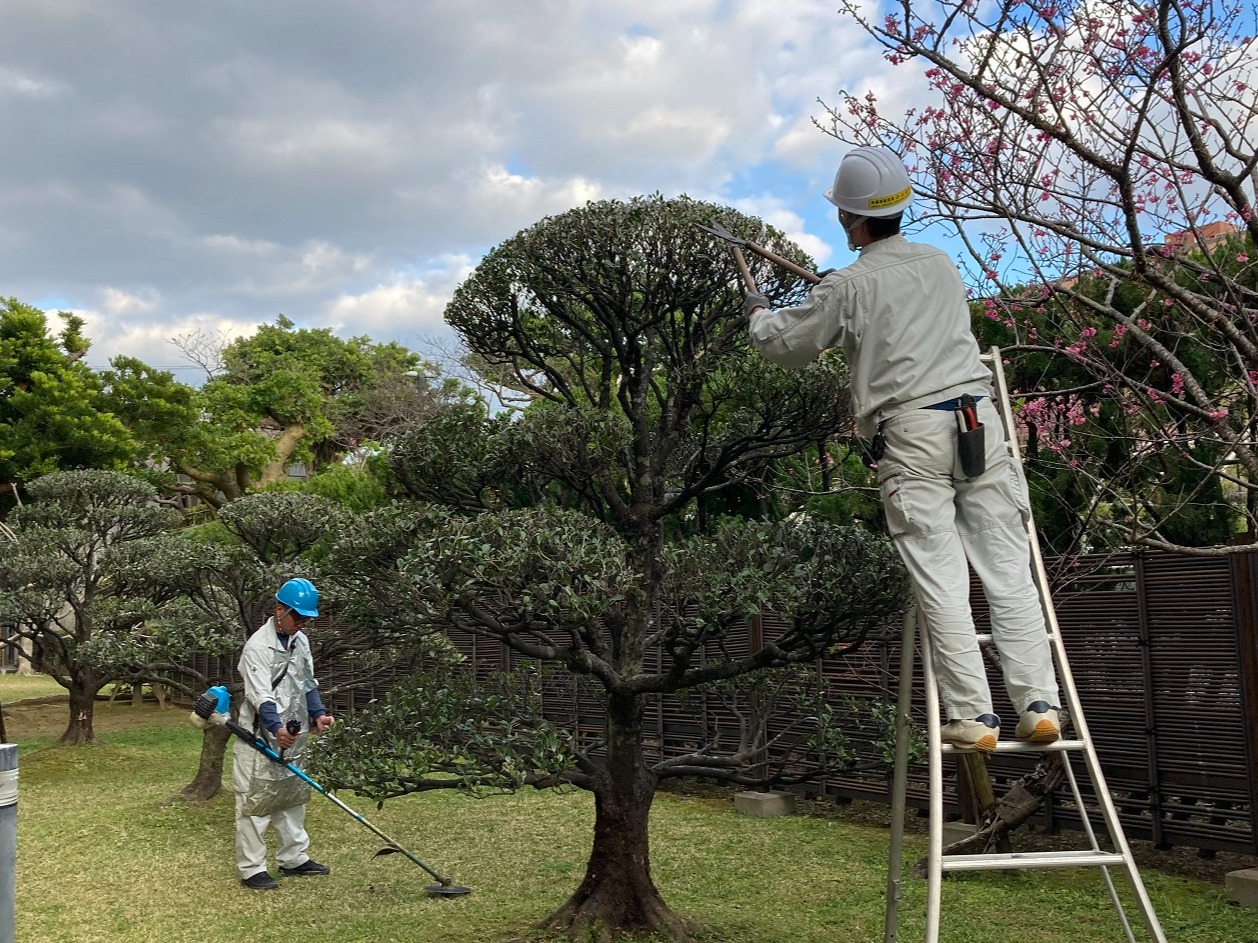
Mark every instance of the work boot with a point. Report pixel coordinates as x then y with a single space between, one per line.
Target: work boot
1039 723
980 734
309 866
262 881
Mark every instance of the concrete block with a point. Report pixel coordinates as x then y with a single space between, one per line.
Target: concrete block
957 831
1242 887
765 805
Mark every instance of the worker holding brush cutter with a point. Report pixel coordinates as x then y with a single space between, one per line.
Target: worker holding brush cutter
281 703
922 396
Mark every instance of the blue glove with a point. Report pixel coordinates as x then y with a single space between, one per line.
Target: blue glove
753 301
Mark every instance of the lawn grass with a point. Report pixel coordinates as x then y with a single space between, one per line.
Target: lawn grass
15 687
105 856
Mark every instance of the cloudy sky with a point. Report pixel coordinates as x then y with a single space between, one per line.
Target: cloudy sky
170 167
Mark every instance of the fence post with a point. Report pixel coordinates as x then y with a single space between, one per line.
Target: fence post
8 838
1247 645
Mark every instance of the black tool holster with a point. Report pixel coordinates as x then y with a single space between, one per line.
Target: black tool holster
971 448
873 450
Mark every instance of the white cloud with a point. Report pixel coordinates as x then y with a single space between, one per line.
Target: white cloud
115 334
119 302
240 162
407 308
773 212
18 83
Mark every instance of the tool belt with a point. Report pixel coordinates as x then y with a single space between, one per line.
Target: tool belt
971 445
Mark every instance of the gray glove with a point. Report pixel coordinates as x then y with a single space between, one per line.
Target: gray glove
826 271
753 301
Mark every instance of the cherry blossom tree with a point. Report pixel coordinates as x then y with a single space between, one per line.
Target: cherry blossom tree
1098 159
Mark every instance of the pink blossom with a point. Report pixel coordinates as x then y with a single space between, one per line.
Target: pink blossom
1242 258
1177 384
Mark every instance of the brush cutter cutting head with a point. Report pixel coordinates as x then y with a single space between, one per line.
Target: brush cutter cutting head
445 889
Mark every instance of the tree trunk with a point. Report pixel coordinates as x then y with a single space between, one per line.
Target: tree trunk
617 897
82 707
208 781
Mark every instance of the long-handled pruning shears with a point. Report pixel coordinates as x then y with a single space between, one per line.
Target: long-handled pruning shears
716 229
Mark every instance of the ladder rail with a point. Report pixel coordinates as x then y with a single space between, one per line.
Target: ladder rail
900 777
1066 679
1124 859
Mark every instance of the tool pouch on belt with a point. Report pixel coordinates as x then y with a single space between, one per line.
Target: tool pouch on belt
970 444
873 450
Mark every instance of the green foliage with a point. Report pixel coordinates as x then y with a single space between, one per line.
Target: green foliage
445 726
832 583
352 488
455 458
550 530
361 569
287 395
518 568
52 414
626 325
280 527
66 584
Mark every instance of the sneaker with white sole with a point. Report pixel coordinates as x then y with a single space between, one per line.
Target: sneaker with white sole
1039 723
980 734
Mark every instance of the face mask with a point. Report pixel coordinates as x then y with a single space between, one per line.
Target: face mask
847 229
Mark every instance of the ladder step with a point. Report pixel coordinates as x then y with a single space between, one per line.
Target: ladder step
1032 859
1017 746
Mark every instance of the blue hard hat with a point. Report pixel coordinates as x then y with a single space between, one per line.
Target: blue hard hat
300 595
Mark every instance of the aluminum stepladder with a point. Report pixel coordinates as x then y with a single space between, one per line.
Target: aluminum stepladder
937 862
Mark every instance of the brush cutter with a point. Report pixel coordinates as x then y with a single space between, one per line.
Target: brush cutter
716 229
214 706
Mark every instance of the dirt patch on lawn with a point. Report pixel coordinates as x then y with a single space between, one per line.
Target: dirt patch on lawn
49 716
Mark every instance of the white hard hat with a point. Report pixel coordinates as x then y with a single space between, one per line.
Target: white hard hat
871 181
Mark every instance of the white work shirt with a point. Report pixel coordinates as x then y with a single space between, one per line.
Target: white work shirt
262 660
900 315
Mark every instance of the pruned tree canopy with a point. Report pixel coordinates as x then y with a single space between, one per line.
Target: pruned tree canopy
575 533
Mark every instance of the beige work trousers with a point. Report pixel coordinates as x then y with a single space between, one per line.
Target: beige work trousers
939 522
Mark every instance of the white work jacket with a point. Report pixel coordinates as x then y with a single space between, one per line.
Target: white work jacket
900 315
263 660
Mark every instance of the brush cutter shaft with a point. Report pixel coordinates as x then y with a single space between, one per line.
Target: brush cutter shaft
260 745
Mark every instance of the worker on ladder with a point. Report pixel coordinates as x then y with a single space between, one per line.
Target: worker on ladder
922 397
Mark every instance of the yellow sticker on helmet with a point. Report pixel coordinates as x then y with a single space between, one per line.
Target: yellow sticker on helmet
881 201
